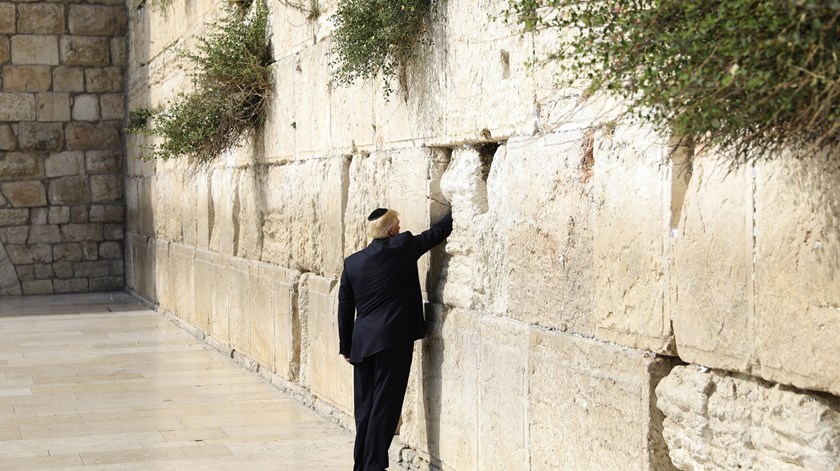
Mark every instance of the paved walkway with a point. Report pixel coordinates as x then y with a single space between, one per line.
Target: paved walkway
99 382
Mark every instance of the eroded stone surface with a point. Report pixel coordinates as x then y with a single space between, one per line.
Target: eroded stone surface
716 420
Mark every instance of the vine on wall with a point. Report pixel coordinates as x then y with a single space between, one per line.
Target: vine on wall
752 76
232 86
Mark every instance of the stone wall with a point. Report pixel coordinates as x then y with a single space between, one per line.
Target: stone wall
61 148
590 259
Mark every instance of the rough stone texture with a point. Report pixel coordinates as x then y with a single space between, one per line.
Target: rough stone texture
633 191
86 108
25 193
13 217
33 49
53 106
59 215
106 79
85 50
797 273
105 187
85 136
112 106
68 79
330 377
26 78
5 50
68 190
64 164
7 17
300 223
40 136
107 213
712 288
41 18
717 420
599 413
97 20
17 107
8 141
97 162
141 267
21 165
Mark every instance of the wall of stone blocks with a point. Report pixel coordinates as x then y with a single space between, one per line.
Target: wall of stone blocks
607 296
62 105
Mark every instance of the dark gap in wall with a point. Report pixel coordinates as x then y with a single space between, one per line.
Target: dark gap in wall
587 162
486 152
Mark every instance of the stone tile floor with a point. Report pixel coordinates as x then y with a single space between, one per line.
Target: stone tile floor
99 382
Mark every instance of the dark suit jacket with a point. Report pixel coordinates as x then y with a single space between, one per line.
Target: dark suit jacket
381 284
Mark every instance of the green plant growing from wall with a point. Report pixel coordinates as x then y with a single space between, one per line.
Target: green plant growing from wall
375 37
752 76
232 86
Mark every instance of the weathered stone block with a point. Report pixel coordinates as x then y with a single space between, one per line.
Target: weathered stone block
119 51
262 319
76 285
38 216
330 376
797 273
7 17
67 253
68 190
21 165
8 141
63 270
41 136
53 106
14 235
107 213
68 79
86 108
17 106
42 254
5 50
444 423
212 293
44 18
239 318
37 287
90 269
103 161
106 79
711 285
82 232
85 136
633 194
14 217
44 234
110 250
312 110
19 254
64 164
112 106
78 214
34 49
97 20
25 272
280 115
43 271
303 238
59 215
107 283
90 251
106 187
26 78
719 420
141 265
600 413
114 231
180 280
25 194
85 50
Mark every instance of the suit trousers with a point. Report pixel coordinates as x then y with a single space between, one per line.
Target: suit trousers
379 384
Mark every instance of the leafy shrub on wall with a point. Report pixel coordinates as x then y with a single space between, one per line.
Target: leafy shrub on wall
232 85
752 76
375 36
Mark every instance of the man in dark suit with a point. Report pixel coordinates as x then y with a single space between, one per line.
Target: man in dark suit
381 286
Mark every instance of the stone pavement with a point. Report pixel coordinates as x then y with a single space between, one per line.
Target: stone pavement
100 382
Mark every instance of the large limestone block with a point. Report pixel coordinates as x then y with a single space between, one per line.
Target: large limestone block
239 307
351 118
41 136
331 377
720 420
85 50
35 50
7 17
97 20
222 223
26 78
486 64
53 106
281 116
206 283
797 273
249 217
311 102
162 29
25 194
168 193
139 206
273 333
141 265
163 289
444 423
711 283
181 281
634 179
303 214
503 400
293 24
17 107
41 18
591 405
85 136
21 165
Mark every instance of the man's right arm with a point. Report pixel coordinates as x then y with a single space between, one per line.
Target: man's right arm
433 236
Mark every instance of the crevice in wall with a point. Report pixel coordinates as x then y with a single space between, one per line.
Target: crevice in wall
486 152
681 156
